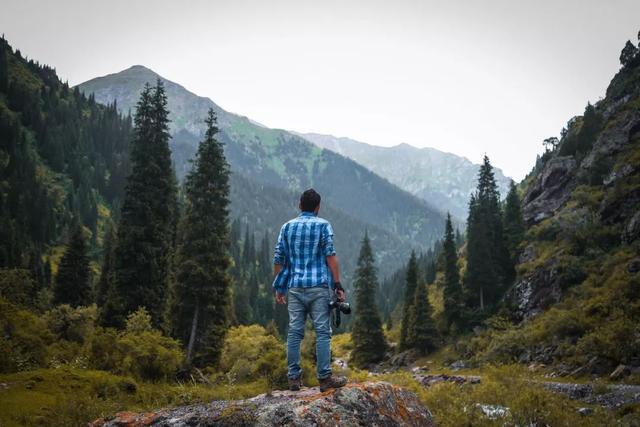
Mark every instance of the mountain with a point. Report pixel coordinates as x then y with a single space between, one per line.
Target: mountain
442 179
284 164
576 301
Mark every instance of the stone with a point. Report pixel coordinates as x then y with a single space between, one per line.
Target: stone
634 266
632 229
620 372
370 403
616 175
585 411
457 365
429 380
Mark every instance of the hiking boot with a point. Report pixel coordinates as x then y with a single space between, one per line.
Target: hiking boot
294 384
332 382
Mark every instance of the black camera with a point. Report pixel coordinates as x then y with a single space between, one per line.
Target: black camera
340 307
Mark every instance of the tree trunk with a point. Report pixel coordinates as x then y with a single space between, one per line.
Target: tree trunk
192 336
481 299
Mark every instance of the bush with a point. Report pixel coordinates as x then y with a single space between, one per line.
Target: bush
24 339
148 355
139 350
251 353
72 324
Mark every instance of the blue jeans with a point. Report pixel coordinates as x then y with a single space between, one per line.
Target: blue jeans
314 302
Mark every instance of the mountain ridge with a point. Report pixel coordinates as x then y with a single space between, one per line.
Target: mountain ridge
440 178
282 161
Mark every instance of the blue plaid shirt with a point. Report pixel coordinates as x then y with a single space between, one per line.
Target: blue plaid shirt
303 244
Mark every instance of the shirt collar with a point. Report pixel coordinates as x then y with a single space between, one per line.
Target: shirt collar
304 213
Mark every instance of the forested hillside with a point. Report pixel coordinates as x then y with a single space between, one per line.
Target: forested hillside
281 165
63 162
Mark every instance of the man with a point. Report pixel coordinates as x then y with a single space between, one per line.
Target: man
306 266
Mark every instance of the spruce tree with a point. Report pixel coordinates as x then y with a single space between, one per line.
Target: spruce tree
411 282
106 274
72 284
487 255
422 330
453 297
368 338
202 293
4 66
513 224
147 222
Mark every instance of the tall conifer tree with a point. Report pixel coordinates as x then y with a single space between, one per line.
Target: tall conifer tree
368 338
487 255
4 66
201 294
411 282
513 227
453 297
72 281
422 329
147 223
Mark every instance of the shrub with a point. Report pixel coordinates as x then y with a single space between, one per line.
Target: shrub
72 324
24 339
251 352
148 355
139 350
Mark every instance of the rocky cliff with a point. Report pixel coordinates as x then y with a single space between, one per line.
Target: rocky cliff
590 183
366 404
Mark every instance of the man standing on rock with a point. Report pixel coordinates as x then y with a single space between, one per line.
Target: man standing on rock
306 268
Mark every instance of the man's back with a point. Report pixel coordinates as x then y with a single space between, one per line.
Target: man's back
303 245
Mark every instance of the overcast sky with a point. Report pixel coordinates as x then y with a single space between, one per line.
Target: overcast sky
468 77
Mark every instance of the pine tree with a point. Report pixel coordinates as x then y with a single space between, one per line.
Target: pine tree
368 338
411 281
453 297
4 66
202 289
487 255
147 222
422 331
106 274
72 281
513 224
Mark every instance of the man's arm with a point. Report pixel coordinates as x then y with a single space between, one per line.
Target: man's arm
279 258
334 268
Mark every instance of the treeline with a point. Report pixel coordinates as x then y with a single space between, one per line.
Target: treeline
465 278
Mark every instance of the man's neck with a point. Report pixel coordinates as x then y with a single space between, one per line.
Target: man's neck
308 213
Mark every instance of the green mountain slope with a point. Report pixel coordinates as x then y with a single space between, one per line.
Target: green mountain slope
282 161
442 179
63 159
576 302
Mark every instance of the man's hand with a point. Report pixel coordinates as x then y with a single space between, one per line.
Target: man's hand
341 295
281 298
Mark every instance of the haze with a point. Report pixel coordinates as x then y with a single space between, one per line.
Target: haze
468 77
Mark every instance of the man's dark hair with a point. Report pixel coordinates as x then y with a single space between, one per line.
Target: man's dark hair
309 200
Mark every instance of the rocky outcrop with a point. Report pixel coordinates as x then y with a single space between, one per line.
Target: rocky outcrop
362 404
535 292
550 191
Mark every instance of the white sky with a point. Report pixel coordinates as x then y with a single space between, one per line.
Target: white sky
468 77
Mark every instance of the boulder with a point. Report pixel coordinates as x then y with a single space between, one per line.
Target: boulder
620 372
632 229
371 403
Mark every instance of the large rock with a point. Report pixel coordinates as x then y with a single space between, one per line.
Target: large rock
357 404
537 291
550 191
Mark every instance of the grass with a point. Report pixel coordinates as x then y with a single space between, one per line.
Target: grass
68 397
